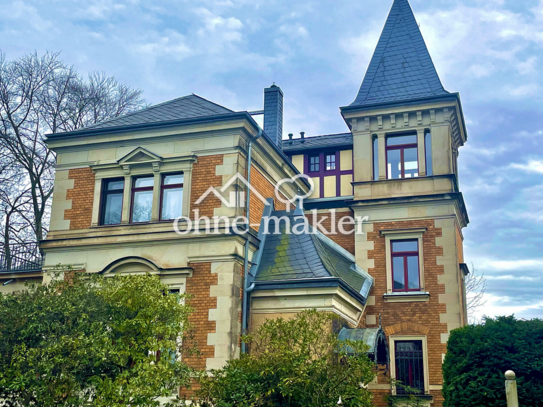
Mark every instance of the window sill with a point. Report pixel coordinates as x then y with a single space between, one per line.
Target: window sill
415 296
426 397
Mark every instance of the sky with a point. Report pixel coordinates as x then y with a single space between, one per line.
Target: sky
318 51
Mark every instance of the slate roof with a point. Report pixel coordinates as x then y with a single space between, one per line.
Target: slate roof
185 107
401 68
292 257
330 140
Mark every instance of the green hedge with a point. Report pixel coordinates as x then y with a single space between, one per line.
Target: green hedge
479 355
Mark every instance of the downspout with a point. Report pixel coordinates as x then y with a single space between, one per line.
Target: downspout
246 289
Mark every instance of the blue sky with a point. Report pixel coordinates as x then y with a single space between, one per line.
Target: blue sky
318 51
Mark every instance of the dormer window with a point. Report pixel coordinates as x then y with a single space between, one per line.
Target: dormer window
402 156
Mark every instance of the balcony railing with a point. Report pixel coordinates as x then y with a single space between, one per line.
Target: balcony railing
20 258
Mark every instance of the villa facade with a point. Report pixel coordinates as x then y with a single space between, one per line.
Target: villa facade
388 181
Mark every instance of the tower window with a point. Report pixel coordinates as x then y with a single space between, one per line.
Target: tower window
402 157
428 152
375 142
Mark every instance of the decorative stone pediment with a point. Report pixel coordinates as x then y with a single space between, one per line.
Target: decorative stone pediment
140 156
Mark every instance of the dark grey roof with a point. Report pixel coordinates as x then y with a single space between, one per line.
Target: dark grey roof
330 140
285 256
185 107
401 67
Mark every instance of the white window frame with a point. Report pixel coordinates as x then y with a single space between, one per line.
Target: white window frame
392 235
424 339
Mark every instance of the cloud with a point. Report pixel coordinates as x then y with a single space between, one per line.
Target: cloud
26 15
505 306
532 166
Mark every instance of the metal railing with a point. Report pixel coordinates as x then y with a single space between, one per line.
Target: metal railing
409 367
20 258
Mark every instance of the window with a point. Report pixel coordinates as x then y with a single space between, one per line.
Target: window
330 162
402 157
405 265
142 199
314 162
428 153
171 196
375 159
112 201
408 356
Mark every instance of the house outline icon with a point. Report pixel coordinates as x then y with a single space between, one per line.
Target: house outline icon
236 197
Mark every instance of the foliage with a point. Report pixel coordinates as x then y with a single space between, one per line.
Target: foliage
479 355
410 400
107 341
298 362
40 95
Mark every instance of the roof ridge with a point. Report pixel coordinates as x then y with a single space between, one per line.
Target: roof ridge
138 111
210 101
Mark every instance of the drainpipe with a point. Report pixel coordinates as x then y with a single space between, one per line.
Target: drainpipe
246 289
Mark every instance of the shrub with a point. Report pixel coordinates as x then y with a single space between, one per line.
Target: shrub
479 355
107 341
298 362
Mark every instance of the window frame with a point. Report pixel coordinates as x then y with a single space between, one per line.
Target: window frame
104 193
334 162
375 157
165 187
391 235
405 256
134 190
402 148
318 157
409 338
428 149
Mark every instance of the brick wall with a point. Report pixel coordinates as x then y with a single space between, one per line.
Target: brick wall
411 318
198 286
203 177
82 195
267 190
344 240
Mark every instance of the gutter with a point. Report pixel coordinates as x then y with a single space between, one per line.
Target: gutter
174 123
247 289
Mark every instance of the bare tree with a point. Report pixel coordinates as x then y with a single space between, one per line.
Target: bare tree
475 290
40 95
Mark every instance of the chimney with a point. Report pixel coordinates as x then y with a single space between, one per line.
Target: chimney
273 114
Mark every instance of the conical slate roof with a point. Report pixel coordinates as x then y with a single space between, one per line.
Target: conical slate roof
401 68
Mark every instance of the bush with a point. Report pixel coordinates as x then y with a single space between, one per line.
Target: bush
107 341
479 355
299 362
